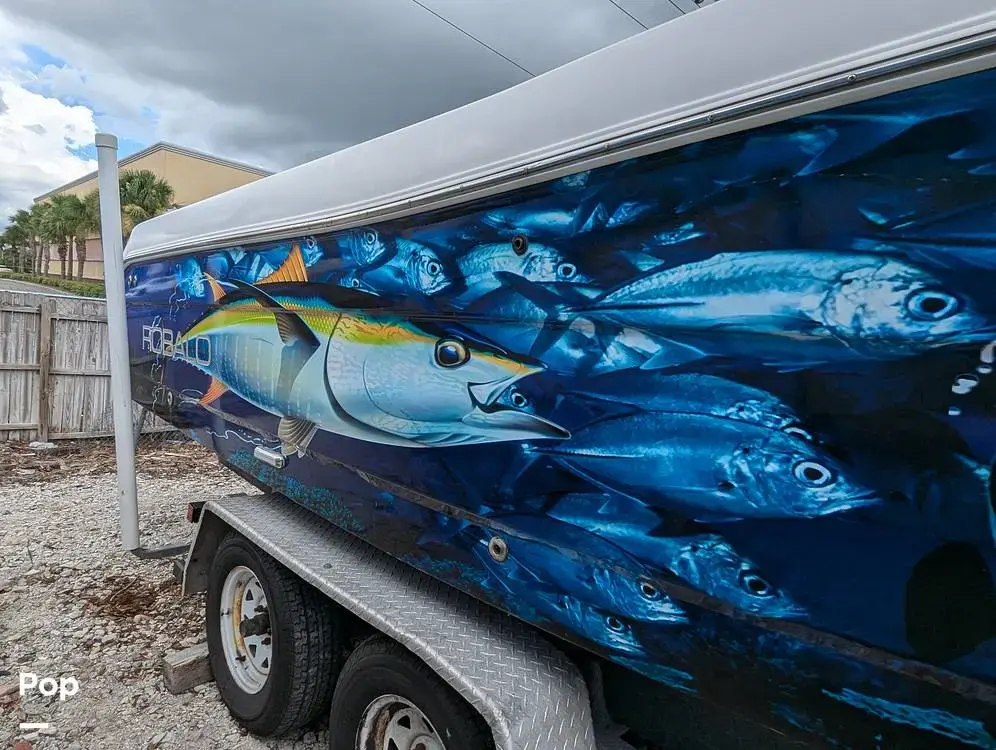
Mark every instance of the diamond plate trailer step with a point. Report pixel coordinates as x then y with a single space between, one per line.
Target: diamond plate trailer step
532 696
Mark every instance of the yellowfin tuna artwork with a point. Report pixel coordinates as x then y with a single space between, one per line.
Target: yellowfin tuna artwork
323 357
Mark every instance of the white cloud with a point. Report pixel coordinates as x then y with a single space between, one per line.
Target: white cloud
35 135
36 132
135 105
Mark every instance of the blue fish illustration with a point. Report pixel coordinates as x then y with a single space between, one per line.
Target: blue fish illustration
190 280
629 348
653 252
620 202
612 633
413 268
535 318
536 600
587 567
541 222
706 561
351 280
218 264
708 468
793 308
595 215
529 317
361 248
695 393
572 183
311 251
960 238
949 496
323 357
629 212
856 135
541 263
250 267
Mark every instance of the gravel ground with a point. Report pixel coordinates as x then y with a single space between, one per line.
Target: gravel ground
73 604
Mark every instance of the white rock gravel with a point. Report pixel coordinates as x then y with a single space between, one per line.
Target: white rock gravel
59 549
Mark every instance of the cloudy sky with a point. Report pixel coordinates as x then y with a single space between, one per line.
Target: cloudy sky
271 84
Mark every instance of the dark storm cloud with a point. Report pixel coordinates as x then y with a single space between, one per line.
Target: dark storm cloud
310 77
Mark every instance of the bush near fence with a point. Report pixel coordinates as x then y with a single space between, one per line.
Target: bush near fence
87 288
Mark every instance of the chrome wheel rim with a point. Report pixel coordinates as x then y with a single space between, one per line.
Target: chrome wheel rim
395 723
245 629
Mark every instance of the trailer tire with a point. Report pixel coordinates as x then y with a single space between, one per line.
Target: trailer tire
380 668
296 687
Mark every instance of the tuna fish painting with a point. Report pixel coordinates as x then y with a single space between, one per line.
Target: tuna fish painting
319 357
729 404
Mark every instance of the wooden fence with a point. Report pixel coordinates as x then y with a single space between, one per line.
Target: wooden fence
55 379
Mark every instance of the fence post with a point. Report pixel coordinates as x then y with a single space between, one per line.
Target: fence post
45 310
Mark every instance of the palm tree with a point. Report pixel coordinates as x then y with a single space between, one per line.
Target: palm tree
67 221
143 195
13 244
20 231
40 241
89 225
32 225
61 221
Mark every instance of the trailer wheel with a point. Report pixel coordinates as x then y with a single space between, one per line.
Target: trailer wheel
387 698
271 640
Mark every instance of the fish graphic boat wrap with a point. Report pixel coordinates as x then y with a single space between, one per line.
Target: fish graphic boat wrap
320 356
730 406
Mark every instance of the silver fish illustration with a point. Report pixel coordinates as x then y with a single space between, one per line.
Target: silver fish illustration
414 267
706 561
798 308
322 357
539 263
708 467
360 248
696 393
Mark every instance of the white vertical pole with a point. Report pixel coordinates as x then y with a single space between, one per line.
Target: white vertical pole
117 335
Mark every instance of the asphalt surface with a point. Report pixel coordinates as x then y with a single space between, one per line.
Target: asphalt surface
10 285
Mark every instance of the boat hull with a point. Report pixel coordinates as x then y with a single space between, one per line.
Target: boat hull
722 410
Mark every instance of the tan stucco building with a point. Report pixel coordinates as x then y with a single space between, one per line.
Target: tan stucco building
193 175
